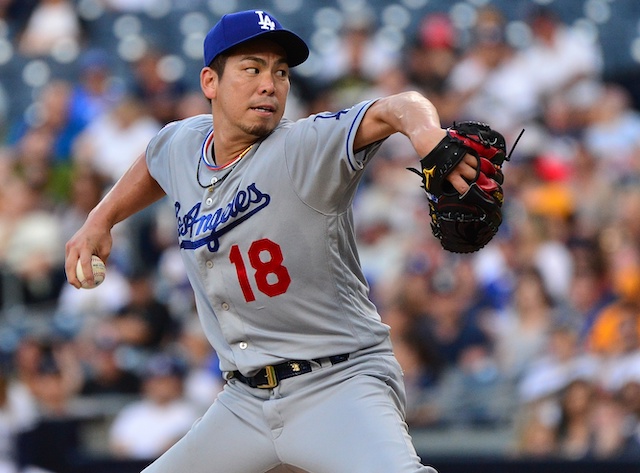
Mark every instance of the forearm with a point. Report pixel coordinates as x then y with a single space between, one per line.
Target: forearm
416 117
409 113
134 191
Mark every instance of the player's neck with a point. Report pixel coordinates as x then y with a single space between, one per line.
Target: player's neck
223 152
229 157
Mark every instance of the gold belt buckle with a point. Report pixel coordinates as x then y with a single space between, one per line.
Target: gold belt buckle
272 380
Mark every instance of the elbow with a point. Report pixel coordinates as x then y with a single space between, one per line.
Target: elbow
411 107
412 96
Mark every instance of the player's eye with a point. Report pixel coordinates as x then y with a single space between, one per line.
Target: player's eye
252 70
282 73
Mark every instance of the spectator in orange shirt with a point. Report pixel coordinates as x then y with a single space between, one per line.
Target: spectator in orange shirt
617 329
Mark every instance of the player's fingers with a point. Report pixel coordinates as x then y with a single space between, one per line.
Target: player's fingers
464 170
470 160
458 182
78 254
87 270
71 260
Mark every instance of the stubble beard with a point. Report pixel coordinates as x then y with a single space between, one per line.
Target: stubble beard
259 131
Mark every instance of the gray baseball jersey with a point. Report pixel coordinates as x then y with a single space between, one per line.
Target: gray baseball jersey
269 246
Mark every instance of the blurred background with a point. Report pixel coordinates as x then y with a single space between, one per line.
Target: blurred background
525 355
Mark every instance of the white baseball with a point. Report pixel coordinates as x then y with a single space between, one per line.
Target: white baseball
99 273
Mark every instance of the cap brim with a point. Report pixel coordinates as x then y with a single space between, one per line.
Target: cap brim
295 48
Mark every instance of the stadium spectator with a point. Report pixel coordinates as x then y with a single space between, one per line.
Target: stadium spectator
616 332
52 24
160 95
536 438
613 437
591 286
96 90
521 332
577 58
486 84
612 135
112 141
204 379
17 414
86 189
592 210
53 442
52 116
16 13
627 391
191 103
455 328
356 61
32 247
577 402
429 59
420 363
144 322
147 427
104 373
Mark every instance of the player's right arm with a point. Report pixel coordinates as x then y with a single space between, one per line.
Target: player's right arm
134 191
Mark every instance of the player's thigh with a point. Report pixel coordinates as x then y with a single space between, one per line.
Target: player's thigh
355 425
229 438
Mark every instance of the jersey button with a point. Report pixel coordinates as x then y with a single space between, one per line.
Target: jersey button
243 345
225 306
209 264
209 201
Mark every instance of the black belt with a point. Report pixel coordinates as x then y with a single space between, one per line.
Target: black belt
270 376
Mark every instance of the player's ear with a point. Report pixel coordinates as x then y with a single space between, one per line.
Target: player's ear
209 82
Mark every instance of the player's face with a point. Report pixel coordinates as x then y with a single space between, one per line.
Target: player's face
252 92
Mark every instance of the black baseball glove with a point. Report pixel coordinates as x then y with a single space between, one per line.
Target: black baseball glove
465 223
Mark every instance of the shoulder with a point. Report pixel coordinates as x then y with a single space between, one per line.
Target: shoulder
201 124
324 124
193 129
346 114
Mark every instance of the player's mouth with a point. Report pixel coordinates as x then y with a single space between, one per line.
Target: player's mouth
266 109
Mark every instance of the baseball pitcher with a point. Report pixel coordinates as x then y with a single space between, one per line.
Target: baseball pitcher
264 223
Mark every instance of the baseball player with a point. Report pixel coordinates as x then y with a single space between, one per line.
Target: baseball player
265 228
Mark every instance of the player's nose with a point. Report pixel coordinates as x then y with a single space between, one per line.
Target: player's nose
267 85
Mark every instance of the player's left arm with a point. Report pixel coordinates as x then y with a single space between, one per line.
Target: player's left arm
413 115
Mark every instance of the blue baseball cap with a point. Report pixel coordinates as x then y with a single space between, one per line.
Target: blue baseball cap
236 28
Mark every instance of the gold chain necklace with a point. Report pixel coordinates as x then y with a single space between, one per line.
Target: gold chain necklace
217 180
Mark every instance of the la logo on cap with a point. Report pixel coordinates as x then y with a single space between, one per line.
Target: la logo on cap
266 23
236 28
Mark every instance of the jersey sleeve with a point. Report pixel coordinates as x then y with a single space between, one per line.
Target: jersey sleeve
323 166
172 154
158 146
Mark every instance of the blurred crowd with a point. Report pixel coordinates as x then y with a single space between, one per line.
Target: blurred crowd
539 331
